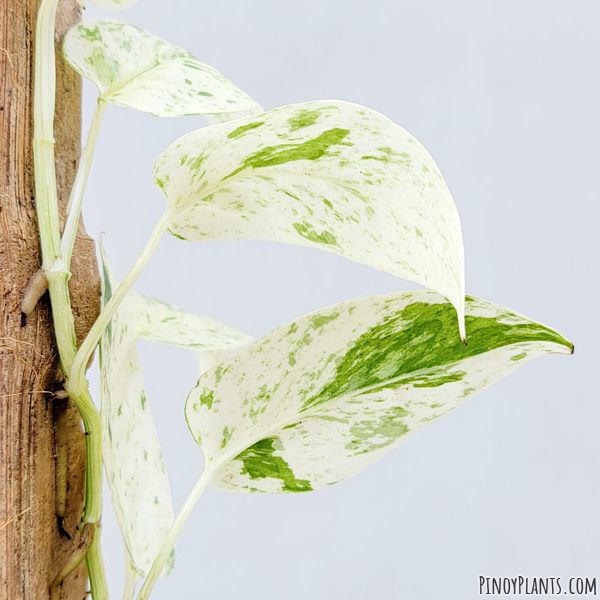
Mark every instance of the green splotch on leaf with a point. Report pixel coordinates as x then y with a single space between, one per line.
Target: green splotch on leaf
306 231
419 337
320 320
91 35
243 129
284 153
260 462
383 159
387 155
207 399
373 434
219 371
305 118
437 381
227 433
421 381
179 237
107 68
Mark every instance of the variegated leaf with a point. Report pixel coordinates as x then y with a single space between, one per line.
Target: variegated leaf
329 175
134 465
134 68
321 398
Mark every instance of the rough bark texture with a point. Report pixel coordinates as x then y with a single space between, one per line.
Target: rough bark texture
35 428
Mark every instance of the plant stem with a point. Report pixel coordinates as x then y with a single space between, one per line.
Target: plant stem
76 380
85 542
76 197
57 272
95 567
173 534
93 447
45 181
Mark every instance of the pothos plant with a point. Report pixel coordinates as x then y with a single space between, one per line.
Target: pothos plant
314 401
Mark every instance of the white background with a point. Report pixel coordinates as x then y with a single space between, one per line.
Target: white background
505 96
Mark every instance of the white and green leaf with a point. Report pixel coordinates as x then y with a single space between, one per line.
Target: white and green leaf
321 398
134 68
134 464
329 175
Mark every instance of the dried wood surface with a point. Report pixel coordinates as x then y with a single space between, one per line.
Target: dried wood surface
36 427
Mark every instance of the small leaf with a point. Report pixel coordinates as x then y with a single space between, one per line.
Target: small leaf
329 175
134 465
333 391
134 68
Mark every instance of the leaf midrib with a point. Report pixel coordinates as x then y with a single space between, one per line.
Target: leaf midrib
146 71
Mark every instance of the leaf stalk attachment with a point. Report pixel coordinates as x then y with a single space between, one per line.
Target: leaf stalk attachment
131 580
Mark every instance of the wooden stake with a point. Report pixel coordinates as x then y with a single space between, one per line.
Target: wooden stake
33 550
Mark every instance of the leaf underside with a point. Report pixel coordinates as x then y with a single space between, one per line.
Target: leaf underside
327 174
134 68
320 399
134 464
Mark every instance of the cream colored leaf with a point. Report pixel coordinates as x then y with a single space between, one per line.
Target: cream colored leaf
335 390
329 175
134 68
134 464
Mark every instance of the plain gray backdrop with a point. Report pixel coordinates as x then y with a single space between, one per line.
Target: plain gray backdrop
505 96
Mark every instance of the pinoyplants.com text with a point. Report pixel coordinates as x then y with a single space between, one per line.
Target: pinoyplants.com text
537 586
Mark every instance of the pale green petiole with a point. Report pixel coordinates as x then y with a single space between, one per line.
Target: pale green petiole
180 521
131 580
76 379
76 198
95 567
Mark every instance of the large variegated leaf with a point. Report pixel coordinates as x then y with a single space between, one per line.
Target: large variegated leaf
327 174
133 460
134 68
319 399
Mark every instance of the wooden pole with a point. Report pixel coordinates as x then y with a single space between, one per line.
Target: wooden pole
39 509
